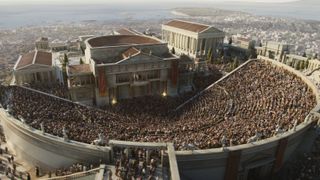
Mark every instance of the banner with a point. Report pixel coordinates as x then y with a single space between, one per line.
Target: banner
102 83
174 72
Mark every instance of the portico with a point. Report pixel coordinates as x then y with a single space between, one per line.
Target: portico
193 39
34 67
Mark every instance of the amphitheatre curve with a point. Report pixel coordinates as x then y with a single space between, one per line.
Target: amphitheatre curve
202 121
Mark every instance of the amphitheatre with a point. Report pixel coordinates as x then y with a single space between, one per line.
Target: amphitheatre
254 117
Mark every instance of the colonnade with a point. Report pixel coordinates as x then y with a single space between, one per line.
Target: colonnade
28 77
196 46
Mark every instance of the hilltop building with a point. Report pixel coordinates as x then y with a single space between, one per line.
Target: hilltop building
274 50
193 39
34 67
42 44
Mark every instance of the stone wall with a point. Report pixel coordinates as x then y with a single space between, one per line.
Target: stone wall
45 150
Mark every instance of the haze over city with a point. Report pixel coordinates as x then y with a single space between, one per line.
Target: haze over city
136 1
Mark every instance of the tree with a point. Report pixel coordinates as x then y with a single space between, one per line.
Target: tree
230 41
209 56
304 54
235 63
65 59
173 51
81 61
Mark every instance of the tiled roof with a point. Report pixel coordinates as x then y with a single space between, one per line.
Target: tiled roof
189 26
26 59
129 52
35 57
43 58
76 69
118 40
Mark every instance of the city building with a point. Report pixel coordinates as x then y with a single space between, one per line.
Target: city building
241 49
124 66
313 64
34 67
193 39
274 50
245 43
295 61
42 44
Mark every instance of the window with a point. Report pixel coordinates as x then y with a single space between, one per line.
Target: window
123 78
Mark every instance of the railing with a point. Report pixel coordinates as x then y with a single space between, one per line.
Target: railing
77 175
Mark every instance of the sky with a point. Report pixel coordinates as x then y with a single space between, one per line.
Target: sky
8 2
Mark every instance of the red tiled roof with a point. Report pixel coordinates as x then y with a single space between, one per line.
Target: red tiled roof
129 52
189 26
118 40
44 58
82 68
26 59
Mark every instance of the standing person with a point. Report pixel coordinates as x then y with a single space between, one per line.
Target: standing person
37 171
28 176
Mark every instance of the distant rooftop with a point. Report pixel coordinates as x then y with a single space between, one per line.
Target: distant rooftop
189 26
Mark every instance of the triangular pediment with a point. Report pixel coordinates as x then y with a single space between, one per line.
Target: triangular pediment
211 30
34 67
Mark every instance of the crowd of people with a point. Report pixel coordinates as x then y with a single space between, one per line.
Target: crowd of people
256 102
56 89
135 164
74 168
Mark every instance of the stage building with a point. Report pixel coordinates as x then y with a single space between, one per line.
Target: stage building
125 66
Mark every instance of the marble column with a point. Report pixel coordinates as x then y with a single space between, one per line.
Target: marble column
186 43
197 46
180 41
